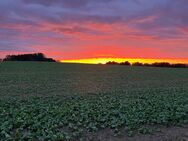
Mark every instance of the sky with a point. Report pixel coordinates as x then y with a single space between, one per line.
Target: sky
81 29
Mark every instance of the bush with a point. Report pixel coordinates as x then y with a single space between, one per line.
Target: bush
28 57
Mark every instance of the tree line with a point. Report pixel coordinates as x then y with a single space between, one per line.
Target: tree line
41 57
156 64
28 57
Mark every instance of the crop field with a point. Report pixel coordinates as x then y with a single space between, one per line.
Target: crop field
54 101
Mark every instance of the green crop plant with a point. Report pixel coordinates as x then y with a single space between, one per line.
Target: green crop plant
51 101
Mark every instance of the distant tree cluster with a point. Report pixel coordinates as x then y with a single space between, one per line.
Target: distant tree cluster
126 63
156 64
112 63
28 57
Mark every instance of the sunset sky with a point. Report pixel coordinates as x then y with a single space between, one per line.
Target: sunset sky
82 29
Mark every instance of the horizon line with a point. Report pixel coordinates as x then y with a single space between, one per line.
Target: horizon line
104 60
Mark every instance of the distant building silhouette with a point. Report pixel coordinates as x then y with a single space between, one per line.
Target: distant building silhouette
28 57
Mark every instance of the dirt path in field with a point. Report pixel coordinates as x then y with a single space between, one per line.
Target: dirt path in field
165 134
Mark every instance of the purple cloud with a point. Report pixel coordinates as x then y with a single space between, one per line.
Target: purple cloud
66 23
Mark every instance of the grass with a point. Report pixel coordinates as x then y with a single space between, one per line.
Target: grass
52 101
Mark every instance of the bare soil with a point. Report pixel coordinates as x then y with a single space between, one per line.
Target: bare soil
164 134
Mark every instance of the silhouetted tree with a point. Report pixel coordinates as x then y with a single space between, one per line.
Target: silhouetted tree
126 63
112 63
28 57
146 64
156 64
137 64
179 65
161 64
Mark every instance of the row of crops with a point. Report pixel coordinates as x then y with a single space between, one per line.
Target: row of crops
72 117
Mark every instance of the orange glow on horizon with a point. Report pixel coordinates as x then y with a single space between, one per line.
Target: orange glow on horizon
119 60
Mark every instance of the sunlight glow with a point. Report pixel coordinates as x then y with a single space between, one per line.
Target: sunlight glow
104 60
